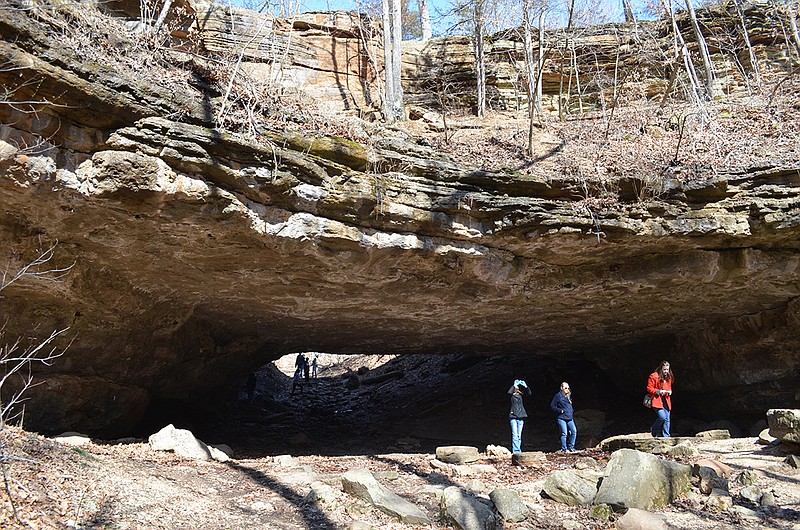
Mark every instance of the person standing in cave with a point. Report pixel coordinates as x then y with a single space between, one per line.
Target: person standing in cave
297 381
299 362
517 414
314 363
562 405
659 386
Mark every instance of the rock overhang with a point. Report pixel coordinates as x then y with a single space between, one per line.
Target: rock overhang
178 290
200 255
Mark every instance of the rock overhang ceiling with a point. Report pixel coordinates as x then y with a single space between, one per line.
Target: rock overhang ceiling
199 255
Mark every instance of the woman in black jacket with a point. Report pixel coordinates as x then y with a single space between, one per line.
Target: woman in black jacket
517 415
562 406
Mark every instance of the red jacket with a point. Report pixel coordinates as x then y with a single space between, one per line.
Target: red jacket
655 383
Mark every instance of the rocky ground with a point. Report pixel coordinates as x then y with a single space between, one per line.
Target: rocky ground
329 430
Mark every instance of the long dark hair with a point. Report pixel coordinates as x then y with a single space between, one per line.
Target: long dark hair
670 376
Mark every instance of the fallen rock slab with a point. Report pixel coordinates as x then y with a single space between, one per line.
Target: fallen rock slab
635 519
361 483
529 458
457 454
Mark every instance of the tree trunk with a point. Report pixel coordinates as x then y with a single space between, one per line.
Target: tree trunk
425 20
388 71
682 52
746 36
397 59
530 70
627 9
540 65
564 54
163 15
795 33
705 56
480 64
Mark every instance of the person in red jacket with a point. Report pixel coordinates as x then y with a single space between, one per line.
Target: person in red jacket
659 385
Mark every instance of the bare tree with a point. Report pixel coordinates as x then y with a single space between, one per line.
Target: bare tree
17 360
397 57
746 37
567 51
791 12
479 21
425 20
627 10
681 55
534 64
702 46
392 56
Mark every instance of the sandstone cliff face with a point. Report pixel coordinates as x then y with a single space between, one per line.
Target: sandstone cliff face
199 255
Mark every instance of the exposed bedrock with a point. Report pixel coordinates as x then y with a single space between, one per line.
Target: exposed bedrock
199 256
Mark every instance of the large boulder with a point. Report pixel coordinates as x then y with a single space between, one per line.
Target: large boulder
181 441
509 504
574 487
465 511
361 483
784 424
634 479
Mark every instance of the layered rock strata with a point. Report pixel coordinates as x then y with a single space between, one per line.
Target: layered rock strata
197 255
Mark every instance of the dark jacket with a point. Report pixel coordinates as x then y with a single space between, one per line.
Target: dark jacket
562 406
517 408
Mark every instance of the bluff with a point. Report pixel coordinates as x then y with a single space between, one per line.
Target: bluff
196 254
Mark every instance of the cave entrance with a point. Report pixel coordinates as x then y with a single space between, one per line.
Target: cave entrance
370 404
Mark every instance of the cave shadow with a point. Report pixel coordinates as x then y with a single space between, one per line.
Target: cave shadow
457 400
412 469
374 421
312 515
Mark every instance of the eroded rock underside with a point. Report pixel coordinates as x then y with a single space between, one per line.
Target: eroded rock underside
199 255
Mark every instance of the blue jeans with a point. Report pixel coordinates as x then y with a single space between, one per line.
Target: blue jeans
661 425
567 426
516 435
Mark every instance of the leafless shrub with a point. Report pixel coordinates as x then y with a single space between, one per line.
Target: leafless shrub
18 357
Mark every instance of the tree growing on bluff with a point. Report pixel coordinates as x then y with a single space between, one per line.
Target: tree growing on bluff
392 60
473 14
425 20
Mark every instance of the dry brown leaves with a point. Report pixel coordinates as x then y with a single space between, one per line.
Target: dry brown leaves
641 140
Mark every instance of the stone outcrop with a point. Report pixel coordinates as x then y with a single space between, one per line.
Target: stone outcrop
195 255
